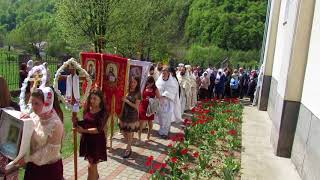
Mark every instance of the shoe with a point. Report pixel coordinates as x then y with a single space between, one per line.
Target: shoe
164 137
128 154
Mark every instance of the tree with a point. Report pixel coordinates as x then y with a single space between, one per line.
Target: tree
206 55
32 32
231 24
149 29
84 22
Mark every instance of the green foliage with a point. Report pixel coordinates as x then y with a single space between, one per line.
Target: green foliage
205 55
214 55
229 24
148 29
32 30
27 22
200 31
85 22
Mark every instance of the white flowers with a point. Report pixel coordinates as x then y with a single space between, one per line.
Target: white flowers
41 69
73 63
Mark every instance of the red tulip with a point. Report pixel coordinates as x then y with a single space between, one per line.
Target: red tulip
148 163
151 171
184 151
170 146
196 154
174 160
164 165
187 122
213 132
233 132
150 158
157 166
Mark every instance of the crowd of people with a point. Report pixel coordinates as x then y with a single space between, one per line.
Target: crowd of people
206 83
168 93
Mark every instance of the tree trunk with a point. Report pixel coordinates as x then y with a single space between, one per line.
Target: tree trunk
95 46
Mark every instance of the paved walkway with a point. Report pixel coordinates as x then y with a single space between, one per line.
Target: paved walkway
118 168
258 161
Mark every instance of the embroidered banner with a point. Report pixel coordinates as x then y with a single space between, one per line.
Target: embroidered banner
140 69
114 78
91 62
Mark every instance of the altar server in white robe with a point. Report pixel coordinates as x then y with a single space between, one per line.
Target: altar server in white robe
153 73
193 84
185 87
169 102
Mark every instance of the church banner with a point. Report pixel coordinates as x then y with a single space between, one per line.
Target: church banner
114 78
92 63
141 70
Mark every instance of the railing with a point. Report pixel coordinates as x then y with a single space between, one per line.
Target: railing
10 66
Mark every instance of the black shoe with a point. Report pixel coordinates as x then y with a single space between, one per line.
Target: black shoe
164 137
128 154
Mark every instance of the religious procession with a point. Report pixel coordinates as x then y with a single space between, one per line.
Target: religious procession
111 90
159 90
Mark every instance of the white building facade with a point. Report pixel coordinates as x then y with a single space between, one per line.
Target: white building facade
290 91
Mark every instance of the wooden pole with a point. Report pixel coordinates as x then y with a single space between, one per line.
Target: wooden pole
74 121
113 103
75 147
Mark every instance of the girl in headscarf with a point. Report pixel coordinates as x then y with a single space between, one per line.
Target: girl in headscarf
203 91
45 161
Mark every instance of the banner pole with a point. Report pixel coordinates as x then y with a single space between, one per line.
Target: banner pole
113 101
75 147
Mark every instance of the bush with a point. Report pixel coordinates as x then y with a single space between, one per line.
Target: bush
214 55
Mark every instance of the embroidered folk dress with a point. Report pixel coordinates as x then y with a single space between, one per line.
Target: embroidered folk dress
44 161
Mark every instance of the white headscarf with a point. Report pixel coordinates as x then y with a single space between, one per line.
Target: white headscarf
202 76
218 76
29 65
48 99
181 65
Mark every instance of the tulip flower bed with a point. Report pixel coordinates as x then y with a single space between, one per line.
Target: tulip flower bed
210 146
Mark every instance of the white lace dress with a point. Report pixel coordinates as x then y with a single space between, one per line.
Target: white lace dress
46 140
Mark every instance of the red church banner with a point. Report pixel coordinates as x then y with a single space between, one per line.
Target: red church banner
92 63
114 78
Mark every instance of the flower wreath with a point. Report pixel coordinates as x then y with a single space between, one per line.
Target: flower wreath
78 67
41 69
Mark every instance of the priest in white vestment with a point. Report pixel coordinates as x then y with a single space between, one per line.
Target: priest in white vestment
169 102
194 91
185 87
